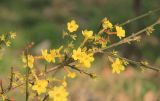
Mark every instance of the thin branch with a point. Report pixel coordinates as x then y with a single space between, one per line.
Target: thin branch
122 42
48 71
134 62
27 75
81 71
1 86
130 38
139 17
45 97
11 79
53 69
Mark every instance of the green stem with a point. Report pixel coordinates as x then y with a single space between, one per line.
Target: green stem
27 76
84 41
45 68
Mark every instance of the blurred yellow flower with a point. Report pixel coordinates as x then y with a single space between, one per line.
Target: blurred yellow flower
40 86
86 60
30 61
2 37
117 66
83 58
8 43
12 35
106 24
120 32
87 34
3 97
58 94
77 54
64 83
72 26
71 75
56 52
48 57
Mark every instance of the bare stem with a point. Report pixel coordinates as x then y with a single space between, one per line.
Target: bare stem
81 71
135 62
45 97
27 75
1 86
48 71
11 79
139 17
130 38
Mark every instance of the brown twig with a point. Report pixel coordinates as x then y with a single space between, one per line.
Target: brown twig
134 62
81 71
11 79
139 17
27 73
45 97
130 38
1 85
49 70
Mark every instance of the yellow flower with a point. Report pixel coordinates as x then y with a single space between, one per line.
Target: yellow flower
56 52
120 32
8 43
117 66
72 26
71 75
86 60
106 24
64 83
87 34
30 61
2 37
3 97
83 58
58 93
40 86
77 54
12 35
48 57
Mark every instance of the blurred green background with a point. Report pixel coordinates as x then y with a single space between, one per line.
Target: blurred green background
42 21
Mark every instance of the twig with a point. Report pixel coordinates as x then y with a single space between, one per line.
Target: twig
1 85
27 75
11 79
81 71
122 42
48 71
135 62
129 38
45 97
139 17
